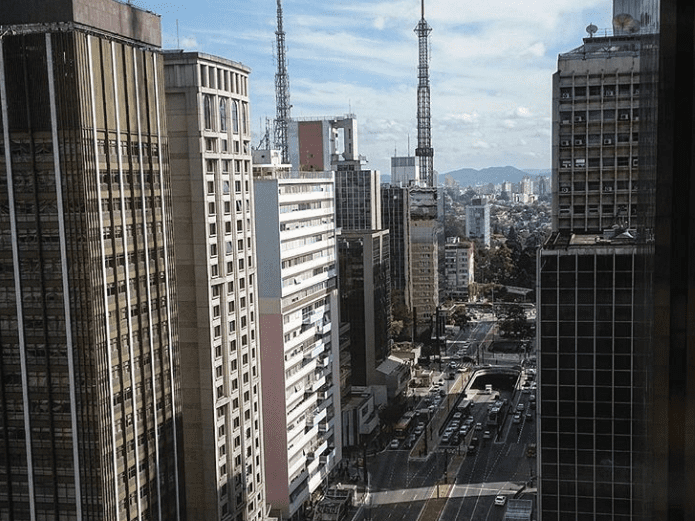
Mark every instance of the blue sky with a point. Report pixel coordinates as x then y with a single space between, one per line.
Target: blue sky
491 67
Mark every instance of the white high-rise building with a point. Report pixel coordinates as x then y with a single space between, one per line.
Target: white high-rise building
298 301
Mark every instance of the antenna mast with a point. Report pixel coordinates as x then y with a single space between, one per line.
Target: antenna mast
424 148
282 92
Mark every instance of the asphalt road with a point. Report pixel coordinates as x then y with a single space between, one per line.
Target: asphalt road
400 485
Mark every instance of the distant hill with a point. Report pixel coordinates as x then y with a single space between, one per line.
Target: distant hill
494 174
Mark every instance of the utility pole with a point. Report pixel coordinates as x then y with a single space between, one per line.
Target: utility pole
424 148
282 92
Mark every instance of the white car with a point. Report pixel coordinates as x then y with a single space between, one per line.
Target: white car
500 501
394 444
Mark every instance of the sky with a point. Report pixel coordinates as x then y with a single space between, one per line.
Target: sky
491 66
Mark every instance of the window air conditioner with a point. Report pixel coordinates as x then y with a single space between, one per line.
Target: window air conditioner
635 162
608 141
565 95
579 119
578 142
565 142
624 117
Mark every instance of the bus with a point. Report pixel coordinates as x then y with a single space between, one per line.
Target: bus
403 425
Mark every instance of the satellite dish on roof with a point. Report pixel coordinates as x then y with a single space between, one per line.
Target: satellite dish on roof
625 23
591 29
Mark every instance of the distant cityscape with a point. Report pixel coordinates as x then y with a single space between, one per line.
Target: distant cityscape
196 328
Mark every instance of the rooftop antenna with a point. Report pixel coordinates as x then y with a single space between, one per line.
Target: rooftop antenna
424 148
178 42
282 91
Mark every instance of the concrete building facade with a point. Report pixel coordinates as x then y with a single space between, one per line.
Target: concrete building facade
89 343
405 171
459 268
208 109
596 112
424 254
478 221
299 308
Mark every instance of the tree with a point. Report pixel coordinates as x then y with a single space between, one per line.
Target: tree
513 323
459 317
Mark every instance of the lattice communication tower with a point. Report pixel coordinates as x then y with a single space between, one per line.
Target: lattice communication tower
282 92
424 150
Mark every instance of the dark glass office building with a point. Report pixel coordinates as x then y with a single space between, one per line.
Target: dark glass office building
89 400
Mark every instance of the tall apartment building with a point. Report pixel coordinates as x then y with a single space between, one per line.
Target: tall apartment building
478 221
89 348
207 101
596 111
459 267
357 197
424 254
298 305
395 216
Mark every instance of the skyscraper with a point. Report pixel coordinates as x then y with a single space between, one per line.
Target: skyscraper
91 400
208 114
592 293
298 305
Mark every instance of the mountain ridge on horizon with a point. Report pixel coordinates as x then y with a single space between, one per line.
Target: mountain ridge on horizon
493 174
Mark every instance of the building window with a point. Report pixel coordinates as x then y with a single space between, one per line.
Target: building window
207 111
235 116
223 115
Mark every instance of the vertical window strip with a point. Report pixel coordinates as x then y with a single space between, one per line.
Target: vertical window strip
64 268
165 232
17 283
102 247
124 239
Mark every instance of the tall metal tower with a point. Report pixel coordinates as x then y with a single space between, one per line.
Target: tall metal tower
424 148
282 92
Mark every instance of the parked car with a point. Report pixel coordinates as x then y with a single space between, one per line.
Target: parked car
486 435
394 444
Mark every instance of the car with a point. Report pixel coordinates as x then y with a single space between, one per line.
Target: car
411 440
478 426
517 418
445 438
486 435
442 393
394 444
471 449
526 390
532 405
463 431
457 415
529 416
520 407
500 501
532 398
455 438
